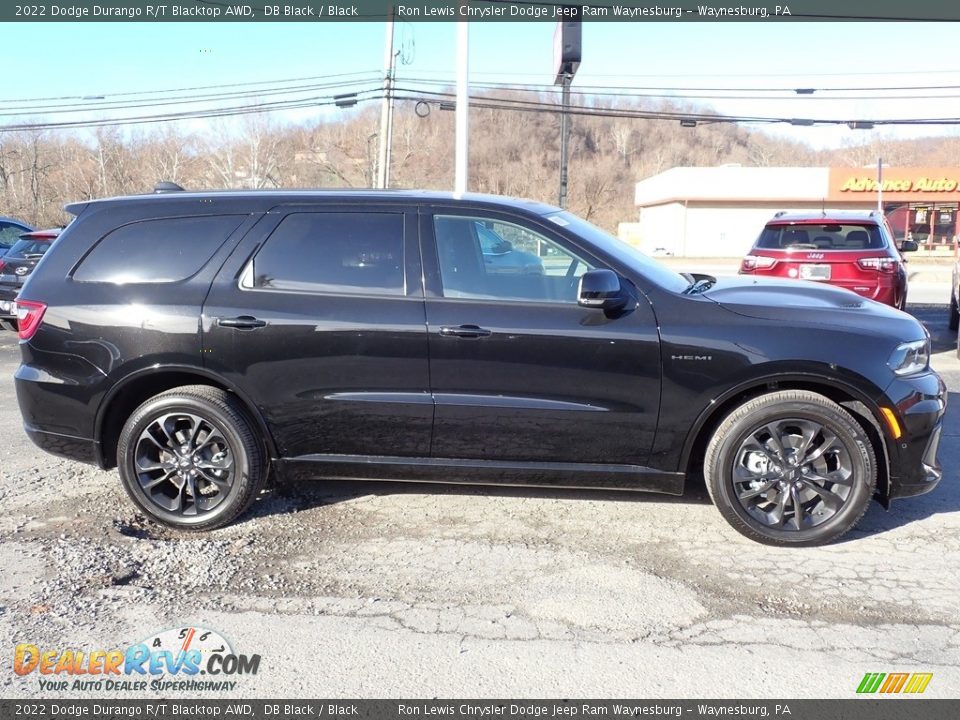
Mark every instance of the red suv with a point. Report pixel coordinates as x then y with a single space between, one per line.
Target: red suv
852 250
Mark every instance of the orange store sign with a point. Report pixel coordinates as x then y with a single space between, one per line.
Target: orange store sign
898 183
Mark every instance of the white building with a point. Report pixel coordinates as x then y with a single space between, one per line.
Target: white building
719 211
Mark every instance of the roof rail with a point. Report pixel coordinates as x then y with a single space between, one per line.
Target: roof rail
166 186
780 213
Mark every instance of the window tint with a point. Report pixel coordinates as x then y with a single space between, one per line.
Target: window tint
493 259
826 236
333 252
152 251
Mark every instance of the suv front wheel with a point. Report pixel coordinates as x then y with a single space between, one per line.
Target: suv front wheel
190 458
791 468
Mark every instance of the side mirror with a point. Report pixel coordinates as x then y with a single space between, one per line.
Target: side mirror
908 246
601 289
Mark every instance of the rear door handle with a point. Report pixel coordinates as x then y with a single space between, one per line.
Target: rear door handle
244 322
465 331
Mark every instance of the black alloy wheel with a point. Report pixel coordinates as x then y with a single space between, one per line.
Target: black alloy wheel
190 458
791 468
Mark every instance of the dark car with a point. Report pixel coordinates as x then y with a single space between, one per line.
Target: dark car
16 266
10 232
201 342
852 250
501 256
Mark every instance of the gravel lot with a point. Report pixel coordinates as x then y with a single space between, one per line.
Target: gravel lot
379 590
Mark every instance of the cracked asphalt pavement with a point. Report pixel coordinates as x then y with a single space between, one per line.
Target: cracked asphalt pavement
385 590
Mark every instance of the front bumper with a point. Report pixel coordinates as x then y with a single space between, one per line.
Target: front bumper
919 402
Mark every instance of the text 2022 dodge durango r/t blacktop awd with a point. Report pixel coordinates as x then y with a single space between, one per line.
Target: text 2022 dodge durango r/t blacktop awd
198 341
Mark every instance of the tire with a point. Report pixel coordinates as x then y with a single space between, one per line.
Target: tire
11 325
742 459
954 322
194 438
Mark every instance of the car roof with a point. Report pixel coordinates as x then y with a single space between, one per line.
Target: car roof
21 223
269 198
870 217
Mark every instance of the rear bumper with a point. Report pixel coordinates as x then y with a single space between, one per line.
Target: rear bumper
8 311
82 449
919 403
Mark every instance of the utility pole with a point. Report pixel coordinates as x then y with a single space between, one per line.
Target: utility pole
880 185
463 107
386 110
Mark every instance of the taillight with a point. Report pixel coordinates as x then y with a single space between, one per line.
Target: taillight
757 262
29 317
885 265
2 264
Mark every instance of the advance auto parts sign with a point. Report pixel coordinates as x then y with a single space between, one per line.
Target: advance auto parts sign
931 184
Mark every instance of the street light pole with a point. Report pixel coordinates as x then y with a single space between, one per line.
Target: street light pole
564 138
463 107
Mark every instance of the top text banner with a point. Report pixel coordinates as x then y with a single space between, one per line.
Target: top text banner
478 11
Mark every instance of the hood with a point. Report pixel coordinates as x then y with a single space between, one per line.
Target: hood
811 302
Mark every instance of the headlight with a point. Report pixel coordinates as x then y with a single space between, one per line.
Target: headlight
910 357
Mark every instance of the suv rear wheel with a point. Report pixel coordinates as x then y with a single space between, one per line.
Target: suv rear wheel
190 458
791 468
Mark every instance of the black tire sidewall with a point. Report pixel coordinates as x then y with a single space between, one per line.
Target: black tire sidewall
228 508
850 435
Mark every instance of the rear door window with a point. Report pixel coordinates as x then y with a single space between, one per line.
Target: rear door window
329 252
156 251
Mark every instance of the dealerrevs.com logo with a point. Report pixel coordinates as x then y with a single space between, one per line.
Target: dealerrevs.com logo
189 659
894 683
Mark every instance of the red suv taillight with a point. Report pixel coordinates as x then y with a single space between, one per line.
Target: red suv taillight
2 264
886 265
29 317
757 262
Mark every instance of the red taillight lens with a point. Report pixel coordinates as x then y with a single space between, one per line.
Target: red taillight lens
2 264
757 262
29 317
885 265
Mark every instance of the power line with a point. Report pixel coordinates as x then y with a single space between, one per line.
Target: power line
187 115
219 86
637 113
181 100
641 91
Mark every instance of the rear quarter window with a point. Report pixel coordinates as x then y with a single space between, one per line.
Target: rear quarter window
156 251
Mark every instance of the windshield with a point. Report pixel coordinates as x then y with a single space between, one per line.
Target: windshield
621 251
28 248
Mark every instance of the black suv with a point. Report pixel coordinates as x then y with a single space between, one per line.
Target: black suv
199 341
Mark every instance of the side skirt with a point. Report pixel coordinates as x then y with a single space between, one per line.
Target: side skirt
481 472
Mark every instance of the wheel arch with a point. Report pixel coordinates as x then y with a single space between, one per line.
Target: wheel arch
853 399
129 393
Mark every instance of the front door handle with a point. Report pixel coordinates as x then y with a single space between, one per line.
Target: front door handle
465 331
244 322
